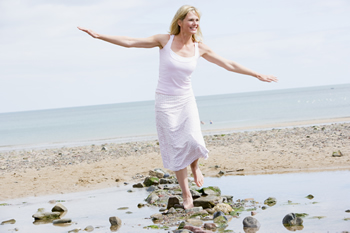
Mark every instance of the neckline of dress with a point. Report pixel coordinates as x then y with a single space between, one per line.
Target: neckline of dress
195 50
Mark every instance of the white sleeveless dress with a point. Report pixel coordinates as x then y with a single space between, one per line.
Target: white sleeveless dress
178 125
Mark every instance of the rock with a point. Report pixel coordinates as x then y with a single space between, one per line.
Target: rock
115 228
152 198
227 198
74 230
104 148
157 173
220 219
61 221
250 222
152 188
46 215
310 196
210 226
253 213
291 220
194 222
195 194
207 201
271 201
194 209
156 216
181 226
138 185
172 201
115 221
221 173
211 190
166 175
218 214
11 221
59 208
167 181
337 154
151 181
89 228
159 170
223 207
140 205
172 211
347 211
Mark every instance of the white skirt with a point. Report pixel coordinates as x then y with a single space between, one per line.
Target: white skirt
178 125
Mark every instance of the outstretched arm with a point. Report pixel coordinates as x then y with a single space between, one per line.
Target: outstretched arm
129 42
211 56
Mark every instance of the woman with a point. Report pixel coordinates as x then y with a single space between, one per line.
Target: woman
178 126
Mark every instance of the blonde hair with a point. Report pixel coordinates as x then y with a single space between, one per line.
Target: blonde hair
181 15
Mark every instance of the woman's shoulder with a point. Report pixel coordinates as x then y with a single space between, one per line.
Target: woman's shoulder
203 48
163 39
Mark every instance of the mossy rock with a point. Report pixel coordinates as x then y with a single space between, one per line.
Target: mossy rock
211 190
152 227
310 197
198 214
151 181
301 215
271 201
220 220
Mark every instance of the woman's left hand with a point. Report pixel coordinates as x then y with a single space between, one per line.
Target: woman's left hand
267 78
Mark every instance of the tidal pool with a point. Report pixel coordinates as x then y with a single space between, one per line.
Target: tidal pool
331 191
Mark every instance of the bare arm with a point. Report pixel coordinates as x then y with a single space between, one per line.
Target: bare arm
129 42
211 56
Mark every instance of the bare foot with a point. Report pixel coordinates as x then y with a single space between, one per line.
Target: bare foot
188 202
197 175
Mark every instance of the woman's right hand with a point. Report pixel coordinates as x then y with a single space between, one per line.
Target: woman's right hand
90 32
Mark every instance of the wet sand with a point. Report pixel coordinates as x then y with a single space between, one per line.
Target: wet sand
71 169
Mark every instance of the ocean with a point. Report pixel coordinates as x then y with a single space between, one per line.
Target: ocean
136 121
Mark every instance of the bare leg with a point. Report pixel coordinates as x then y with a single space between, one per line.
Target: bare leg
197 174
181 176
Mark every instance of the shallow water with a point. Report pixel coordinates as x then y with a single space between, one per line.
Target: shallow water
330 189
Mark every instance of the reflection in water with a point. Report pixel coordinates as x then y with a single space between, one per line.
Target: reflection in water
294 228
250 230
330 190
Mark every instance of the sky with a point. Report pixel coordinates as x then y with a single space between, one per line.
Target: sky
46 62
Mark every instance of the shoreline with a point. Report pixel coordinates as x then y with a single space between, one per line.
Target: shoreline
74 169
142 138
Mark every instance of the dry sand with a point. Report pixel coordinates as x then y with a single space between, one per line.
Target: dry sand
61 170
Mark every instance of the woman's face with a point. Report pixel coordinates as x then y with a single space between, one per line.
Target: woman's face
190 23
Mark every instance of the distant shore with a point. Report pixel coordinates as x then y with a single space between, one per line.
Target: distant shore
293 147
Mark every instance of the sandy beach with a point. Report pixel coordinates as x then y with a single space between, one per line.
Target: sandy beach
71 169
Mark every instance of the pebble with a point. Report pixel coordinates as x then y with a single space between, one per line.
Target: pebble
61 221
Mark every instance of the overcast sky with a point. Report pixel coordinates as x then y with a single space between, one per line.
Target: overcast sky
46 62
